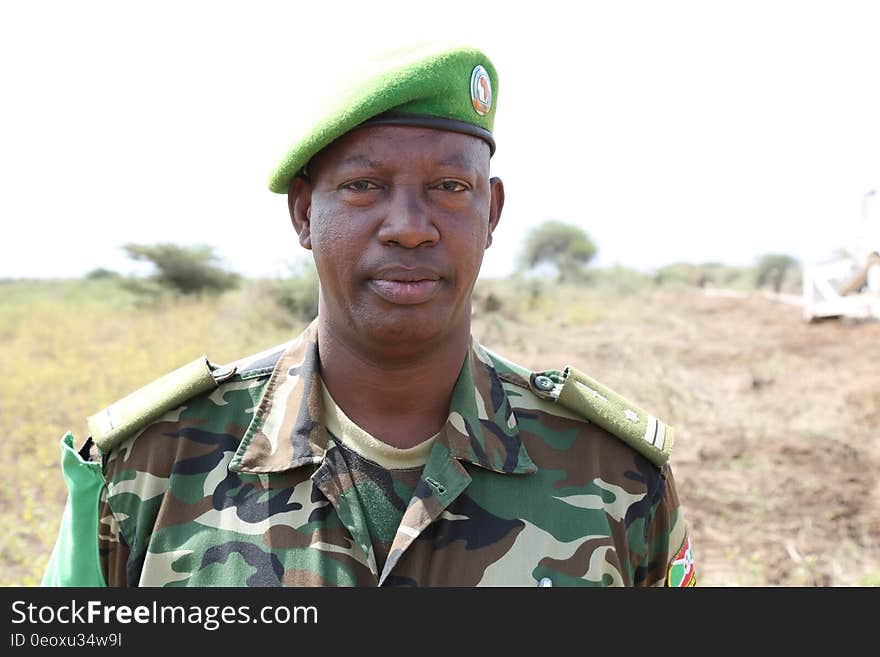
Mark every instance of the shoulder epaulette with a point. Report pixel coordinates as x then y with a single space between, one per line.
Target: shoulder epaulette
585 396
136 410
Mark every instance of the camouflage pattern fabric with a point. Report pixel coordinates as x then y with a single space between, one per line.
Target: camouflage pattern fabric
244 486
382 494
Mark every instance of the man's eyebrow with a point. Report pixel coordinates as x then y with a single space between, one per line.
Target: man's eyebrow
360 160
457 160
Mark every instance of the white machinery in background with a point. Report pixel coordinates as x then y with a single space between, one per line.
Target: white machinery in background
850 286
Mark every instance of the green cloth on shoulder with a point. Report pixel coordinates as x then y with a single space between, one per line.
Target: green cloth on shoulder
75 560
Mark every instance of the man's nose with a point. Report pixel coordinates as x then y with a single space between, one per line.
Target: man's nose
408 222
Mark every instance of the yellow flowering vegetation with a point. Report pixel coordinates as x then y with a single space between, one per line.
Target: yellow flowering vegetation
69 349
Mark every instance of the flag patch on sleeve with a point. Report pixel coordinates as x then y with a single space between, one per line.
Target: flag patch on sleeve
681 569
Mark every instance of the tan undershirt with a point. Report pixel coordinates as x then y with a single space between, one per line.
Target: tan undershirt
371 448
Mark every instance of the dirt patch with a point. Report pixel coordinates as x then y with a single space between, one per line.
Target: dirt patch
777 421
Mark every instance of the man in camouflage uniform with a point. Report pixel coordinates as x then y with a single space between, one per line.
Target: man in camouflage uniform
384 445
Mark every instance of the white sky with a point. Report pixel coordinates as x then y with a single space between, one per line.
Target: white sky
670 131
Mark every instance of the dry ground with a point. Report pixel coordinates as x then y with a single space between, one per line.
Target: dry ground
777 421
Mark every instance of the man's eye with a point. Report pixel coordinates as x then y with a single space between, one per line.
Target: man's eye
452 186
360 186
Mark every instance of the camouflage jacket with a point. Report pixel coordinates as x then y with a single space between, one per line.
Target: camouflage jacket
241 485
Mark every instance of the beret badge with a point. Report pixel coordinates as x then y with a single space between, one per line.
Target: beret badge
481 90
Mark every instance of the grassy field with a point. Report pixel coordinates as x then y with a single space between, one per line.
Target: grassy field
777 420
69 349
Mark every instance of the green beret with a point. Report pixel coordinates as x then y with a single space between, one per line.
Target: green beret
428 86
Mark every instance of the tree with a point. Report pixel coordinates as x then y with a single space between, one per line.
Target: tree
184 269
773 269
566 247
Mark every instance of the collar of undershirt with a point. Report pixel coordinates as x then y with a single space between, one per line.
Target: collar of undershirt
367 445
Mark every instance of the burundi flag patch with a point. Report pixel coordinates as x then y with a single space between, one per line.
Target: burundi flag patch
681 569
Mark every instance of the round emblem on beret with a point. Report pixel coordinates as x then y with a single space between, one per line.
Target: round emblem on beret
481 90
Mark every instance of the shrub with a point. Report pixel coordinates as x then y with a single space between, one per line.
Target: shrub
681 273
712 274
183 269
773 269
101 274
620 279
298 293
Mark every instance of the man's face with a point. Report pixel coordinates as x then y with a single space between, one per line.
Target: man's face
398 219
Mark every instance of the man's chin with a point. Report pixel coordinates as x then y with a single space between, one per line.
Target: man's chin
392 331
405 328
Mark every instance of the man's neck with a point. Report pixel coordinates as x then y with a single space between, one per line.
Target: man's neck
402 402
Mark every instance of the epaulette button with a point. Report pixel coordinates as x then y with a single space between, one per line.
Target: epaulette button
544 383
222 373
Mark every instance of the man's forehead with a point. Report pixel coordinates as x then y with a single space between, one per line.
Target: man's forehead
380 146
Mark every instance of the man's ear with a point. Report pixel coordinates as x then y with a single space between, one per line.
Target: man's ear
496 204
299 204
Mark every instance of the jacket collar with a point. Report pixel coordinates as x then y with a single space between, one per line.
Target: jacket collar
288 430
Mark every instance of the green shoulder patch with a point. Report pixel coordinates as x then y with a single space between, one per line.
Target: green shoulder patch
582 394
136 410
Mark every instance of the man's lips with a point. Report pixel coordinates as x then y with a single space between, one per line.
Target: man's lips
405 285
